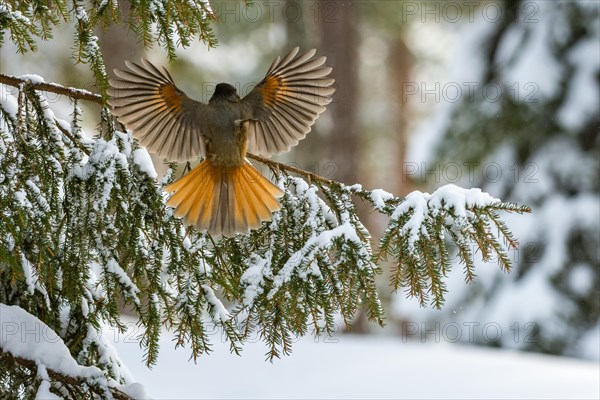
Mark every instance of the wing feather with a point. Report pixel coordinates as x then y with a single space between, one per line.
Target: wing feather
286 103
146 100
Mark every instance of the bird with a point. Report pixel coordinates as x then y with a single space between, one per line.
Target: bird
224 194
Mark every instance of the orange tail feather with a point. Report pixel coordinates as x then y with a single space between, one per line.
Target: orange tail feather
224 201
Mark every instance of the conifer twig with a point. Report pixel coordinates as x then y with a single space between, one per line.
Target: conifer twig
57 376
96 98
289 168
53 88
72 138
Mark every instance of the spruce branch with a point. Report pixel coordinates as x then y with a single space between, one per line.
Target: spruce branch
73 93
277 166
7 358
171 24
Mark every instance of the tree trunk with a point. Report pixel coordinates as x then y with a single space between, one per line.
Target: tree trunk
401 62
338 22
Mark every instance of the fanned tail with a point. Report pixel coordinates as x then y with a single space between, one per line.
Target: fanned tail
224 200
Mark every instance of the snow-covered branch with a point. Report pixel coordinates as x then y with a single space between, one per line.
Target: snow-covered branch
47 357
421 226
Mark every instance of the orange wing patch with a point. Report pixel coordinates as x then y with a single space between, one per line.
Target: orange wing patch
171 96
273 90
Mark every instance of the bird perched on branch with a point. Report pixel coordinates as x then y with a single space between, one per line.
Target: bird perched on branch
224 194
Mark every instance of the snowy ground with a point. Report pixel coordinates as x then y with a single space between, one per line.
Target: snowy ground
363 367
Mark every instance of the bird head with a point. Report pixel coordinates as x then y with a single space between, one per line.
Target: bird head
224 91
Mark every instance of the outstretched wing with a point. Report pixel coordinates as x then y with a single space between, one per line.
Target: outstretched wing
164 120
286 103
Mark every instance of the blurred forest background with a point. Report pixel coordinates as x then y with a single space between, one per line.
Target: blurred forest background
501 95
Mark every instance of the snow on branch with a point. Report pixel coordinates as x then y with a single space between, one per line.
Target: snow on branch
50 357
422 224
